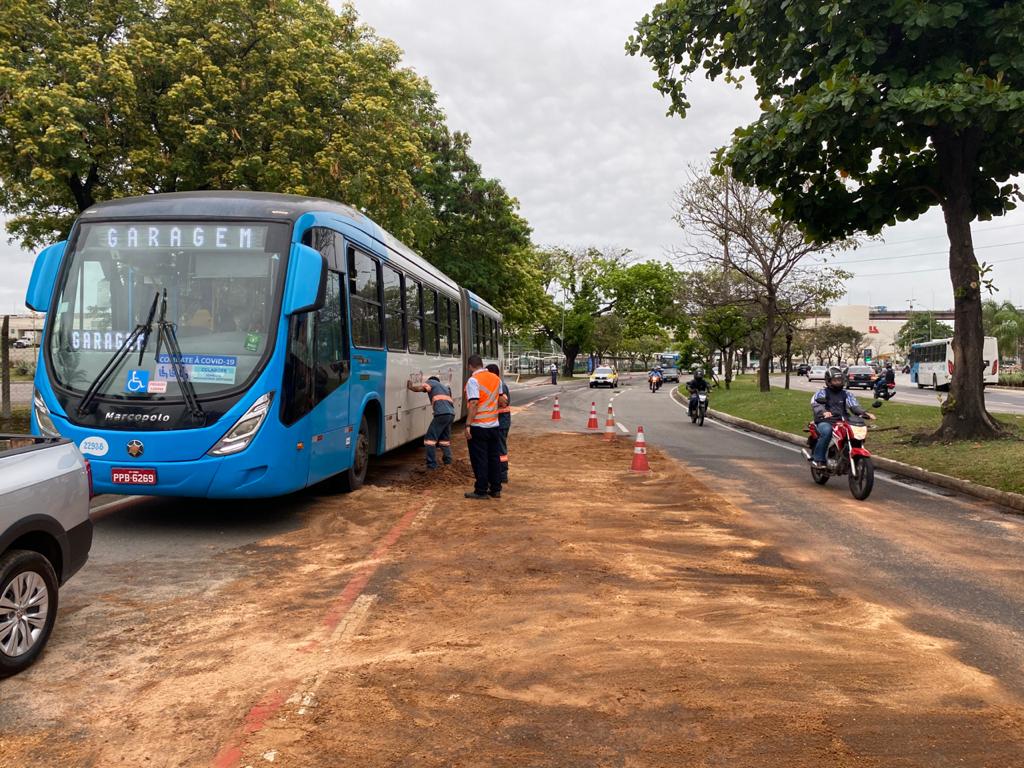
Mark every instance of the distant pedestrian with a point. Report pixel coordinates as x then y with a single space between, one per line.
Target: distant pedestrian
439 433
554 373
483 399
504 422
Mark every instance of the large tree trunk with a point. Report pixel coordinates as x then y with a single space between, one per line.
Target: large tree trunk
728 355
571 353
789 355
767 340
963 414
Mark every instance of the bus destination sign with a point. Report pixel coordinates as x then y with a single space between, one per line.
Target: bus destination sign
194 236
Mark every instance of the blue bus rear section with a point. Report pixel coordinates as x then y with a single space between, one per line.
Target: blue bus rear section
293 448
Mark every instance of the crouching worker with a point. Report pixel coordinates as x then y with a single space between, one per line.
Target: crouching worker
439 433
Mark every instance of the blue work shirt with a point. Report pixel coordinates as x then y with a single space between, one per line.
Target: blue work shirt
440 398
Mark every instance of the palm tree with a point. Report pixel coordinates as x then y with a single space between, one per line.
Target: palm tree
1006 323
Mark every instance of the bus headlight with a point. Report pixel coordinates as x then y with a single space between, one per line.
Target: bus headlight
245 429
43 418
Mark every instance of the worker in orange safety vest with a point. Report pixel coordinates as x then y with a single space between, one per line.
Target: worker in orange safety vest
483 399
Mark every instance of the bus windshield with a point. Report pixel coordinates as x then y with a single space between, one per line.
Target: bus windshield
222 281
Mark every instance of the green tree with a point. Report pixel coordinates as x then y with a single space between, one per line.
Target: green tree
722 329
921 326
478 237
590 283
1006 323
109 98
871 113
735 232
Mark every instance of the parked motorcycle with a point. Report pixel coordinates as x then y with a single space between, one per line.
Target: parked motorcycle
698 412
846 456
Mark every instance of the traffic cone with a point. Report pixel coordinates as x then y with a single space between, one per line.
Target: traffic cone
592 421
640 453
609 425
556 415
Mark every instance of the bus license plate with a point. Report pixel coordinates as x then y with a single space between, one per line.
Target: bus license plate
132 476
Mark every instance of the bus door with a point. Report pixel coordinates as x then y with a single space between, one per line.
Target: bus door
330 440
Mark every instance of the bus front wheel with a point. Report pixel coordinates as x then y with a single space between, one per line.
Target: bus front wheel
352 479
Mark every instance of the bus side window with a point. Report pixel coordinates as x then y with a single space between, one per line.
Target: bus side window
414 310
365 299
456 329
332 364
430 321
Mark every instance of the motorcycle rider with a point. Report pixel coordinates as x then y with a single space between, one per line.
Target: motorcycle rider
655 378
887 378
833 401
695 386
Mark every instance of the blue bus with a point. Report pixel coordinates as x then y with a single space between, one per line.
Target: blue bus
241 344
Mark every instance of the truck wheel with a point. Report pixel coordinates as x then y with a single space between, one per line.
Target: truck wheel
352 479
28 608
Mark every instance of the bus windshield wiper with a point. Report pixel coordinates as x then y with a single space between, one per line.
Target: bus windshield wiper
143 330
165 335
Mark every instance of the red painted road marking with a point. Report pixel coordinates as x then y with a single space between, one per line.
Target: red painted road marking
256 718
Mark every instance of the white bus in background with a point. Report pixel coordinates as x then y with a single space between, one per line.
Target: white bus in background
932 364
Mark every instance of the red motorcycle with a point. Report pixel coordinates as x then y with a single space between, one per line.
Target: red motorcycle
846 456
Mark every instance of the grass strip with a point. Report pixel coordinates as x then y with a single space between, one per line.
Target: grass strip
902 433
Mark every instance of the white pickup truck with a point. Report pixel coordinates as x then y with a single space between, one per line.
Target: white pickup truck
45 537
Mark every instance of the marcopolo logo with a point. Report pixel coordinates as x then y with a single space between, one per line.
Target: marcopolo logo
137 418
94 446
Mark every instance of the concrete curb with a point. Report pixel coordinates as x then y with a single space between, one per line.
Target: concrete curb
1014 501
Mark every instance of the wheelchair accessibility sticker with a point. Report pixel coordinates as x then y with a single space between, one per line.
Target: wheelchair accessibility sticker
137 381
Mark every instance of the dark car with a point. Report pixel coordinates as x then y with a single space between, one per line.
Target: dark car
862 376
802 369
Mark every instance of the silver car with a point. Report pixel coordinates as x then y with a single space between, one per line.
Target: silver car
45 537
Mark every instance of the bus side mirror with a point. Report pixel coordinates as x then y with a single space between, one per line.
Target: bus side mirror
44 277
307 280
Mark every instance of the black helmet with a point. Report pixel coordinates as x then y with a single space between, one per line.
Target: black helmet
698 373
888 364
834 376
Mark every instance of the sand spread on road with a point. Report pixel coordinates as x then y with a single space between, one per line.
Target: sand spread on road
590 617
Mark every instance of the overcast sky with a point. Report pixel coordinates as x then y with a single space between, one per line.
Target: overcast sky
573 129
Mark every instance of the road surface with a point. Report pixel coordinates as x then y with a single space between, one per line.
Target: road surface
722 611
954 565
997 399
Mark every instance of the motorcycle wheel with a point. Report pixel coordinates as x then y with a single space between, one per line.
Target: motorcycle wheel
820 476
700 417
862 483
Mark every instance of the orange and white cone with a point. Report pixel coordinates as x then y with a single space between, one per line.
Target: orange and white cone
556 414
592 421
640 453
609 425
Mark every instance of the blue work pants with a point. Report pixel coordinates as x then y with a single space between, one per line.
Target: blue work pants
439 433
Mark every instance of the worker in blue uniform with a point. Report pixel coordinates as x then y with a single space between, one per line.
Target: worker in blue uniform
439 433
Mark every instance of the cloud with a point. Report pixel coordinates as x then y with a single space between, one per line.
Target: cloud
573 128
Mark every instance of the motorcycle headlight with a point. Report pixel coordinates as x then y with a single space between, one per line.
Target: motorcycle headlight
43 418
245 429
859 433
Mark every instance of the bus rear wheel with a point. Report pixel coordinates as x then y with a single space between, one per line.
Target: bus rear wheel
352 479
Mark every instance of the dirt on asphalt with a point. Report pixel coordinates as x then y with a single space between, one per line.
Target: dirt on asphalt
590 617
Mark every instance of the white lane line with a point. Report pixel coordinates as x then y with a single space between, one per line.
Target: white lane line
884 477
621 427
110 505
542 399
